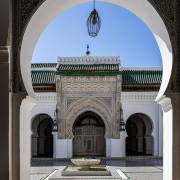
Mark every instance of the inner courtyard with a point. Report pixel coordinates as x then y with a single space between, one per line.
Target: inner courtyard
89 106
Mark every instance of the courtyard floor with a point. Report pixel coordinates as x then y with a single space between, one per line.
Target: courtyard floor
133 169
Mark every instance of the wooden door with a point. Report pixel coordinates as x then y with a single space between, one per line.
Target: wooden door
89 141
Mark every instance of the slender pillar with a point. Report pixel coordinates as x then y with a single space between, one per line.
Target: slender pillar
166 105
160 113
4 112
25 137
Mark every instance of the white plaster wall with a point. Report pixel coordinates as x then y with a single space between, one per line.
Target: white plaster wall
108 147
63 148
132 102
116 148
143 102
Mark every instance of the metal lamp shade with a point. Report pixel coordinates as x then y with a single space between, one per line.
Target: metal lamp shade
93 23
55 126
122 125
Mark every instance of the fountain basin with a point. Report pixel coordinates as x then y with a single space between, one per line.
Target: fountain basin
85 162
99 170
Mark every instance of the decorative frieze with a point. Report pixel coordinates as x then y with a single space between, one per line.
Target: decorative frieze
138 96
46 97
88 84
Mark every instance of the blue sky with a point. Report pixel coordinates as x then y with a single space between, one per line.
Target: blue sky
121 34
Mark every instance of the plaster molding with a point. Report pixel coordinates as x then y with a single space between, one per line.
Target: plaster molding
46 97
89 60
165 103
138 96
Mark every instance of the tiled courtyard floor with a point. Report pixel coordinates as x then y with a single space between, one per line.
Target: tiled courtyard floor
136 169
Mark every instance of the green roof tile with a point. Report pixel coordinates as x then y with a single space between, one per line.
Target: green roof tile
44 74
43 77
72 68
141 77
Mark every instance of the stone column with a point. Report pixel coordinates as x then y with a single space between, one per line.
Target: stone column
4 112
26 108
168 119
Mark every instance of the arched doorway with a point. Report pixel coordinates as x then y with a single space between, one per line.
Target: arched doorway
42 138
89 131
139 141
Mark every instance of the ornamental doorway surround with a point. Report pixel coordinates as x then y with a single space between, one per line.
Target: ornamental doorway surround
82 106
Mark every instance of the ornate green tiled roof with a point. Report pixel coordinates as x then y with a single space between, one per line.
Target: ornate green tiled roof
44 74
141 77
88 65
43 77
43 65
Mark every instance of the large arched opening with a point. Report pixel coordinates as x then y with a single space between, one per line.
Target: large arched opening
42 138
143 10
139 140
89 131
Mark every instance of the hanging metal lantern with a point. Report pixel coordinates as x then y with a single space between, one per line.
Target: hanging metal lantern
55 124
122 123
93 22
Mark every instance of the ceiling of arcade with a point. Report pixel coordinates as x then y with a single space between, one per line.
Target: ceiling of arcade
24 9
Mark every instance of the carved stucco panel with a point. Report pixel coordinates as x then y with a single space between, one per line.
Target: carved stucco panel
88 105
88 100
88 84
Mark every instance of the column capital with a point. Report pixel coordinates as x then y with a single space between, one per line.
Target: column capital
165 103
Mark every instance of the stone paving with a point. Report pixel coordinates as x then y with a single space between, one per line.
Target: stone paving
133 169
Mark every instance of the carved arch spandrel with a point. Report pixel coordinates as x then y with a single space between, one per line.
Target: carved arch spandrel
87 105
90 100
